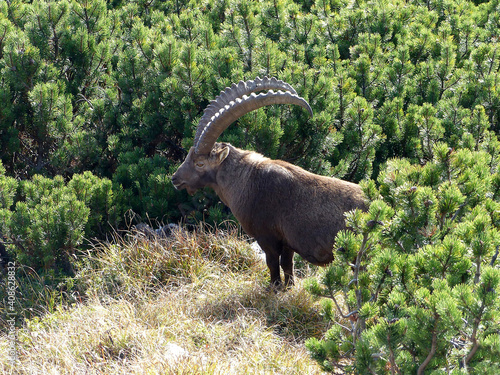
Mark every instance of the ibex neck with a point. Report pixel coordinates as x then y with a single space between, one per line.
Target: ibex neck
235 174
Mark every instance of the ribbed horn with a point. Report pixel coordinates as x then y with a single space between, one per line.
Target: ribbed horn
239 99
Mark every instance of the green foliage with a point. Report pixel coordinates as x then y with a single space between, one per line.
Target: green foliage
415 281
46 219
47 225
425 75
145 183
85 82
98 195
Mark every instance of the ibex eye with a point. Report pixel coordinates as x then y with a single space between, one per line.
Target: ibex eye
200 164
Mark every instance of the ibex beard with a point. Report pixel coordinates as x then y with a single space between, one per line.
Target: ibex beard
285 208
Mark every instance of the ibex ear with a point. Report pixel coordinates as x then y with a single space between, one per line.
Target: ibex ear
223 153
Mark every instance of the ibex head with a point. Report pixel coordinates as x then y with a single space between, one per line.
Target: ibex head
199 169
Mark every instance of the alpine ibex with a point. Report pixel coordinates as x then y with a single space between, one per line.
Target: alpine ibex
285 208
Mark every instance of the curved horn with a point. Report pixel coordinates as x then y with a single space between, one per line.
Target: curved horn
234 102
237 91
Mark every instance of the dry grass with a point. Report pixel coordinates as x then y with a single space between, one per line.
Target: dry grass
205 292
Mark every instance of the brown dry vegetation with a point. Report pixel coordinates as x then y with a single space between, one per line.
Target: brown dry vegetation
205 292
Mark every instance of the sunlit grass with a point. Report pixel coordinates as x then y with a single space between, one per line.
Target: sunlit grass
206 292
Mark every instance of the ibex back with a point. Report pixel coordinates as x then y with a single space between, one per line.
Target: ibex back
285 208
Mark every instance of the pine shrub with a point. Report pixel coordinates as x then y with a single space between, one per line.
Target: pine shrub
415 282
44 220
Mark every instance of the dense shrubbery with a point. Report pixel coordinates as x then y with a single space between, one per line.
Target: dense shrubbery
50 217
100 99
117 88
417 275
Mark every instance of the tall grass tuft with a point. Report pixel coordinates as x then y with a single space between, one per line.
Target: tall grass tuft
135 262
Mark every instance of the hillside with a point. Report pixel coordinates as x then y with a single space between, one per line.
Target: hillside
148 298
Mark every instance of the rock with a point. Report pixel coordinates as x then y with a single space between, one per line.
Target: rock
260 253
167 230
174 352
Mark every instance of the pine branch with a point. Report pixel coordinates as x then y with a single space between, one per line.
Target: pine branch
339 309
429 357
494 259
392 358
359 301
478 270
473 338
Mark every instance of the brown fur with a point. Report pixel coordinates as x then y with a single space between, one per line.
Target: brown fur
285 208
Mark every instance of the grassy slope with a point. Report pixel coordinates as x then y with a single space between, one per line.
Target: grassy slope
206 293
